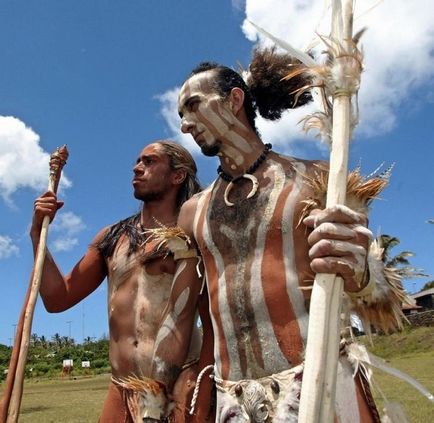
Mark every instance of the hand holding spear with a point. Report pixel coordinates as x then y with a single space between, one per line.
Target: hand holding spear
322 350
11 401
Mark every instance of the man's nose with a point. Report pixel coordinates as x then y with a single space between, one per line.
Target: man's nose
186 125
138 168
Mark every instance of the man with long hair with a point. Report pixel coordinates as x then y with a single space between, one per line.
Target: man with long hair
139 277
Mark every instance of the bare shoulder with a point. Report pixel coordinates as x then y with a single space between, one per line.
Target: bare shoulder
100 236
306 167
187 214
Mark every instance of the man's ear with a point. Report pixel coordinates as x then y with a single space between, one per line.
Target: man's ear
236 100
178 176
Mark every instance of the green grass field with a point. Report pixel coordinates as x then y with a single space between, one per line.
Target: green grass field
81 400
65 400
421 367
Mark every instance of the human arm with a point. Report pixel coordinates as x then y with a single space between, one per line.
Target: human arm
374 290
173 338
61 292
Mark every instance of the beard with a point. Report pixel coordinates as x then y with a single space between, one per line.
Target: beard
150 196
211 150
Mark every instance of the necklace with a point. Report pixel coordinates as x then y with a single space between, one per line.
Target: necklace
247 175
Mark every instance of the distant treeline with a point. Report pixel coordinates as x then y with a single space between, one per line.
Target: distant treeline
45 357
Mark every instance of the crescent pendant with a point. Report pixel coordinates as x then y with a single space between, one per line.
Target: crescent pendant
252 192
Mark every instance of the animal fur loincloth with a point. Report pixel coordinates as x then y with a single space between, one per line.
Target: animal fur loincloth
145 398
273 398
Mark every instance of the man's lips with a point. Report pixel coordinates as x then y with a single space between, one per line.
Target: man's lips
198 137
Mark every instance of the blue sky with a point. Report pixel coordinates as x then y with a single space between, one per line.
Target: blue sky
102 77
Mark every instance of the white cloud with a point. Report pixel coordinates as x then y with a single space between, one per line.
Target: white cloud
398 46
238 4
64 244
169 111
23 162
68 225
7 247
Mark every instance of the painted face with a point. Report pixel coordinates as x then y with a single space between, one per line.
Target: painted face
205 115
152 174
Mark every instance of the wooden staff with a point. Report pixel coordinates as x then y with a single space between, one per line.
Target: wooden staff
317 402
11 401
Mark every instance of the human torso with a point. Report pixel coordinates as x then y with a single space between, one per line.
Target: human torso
255 259
138 288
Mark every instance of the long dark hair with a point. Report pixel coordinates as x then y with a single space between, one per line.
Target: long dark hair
179 158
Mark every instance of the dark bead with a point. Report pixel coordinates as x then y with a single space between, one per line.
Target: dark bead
275 387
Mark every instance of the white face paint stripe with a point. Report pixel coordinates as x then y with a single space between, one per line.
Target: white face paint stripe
216 119
292 283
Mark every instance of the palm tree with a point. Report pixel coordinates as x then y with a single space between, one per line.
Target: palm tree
43 341
428 285
400 262
57 340
34 339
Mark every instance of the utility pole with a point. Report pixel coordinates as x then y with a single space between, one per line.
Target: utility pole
82 321
69 328
15 332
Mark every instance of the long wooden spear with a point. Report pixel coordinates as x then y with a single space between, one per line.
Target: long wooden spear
322 351
11 401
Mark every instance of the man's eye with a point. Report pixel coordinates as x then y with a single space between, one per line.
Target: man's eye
192 106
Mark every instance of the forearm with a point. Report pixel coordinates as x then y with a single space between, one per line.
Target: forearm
59 292
173 339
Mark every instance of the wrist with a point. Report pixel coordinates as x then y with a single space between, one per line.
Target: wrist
35 233
366 289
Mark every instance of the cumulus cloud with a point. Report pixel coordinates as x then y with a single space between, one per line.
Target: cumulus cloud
169 111
23 162
65 228
398 46
397 60
7 247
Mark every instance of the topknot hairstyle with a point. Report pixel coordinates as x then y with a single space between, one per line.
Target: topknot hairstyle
274 95
264 89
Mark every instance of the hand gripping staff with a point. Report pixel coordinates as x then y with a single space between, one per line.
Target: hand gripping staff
322 350
11 401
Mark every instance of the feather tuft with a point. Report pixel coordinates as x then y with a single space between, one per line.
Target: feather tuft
382 308
174 238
